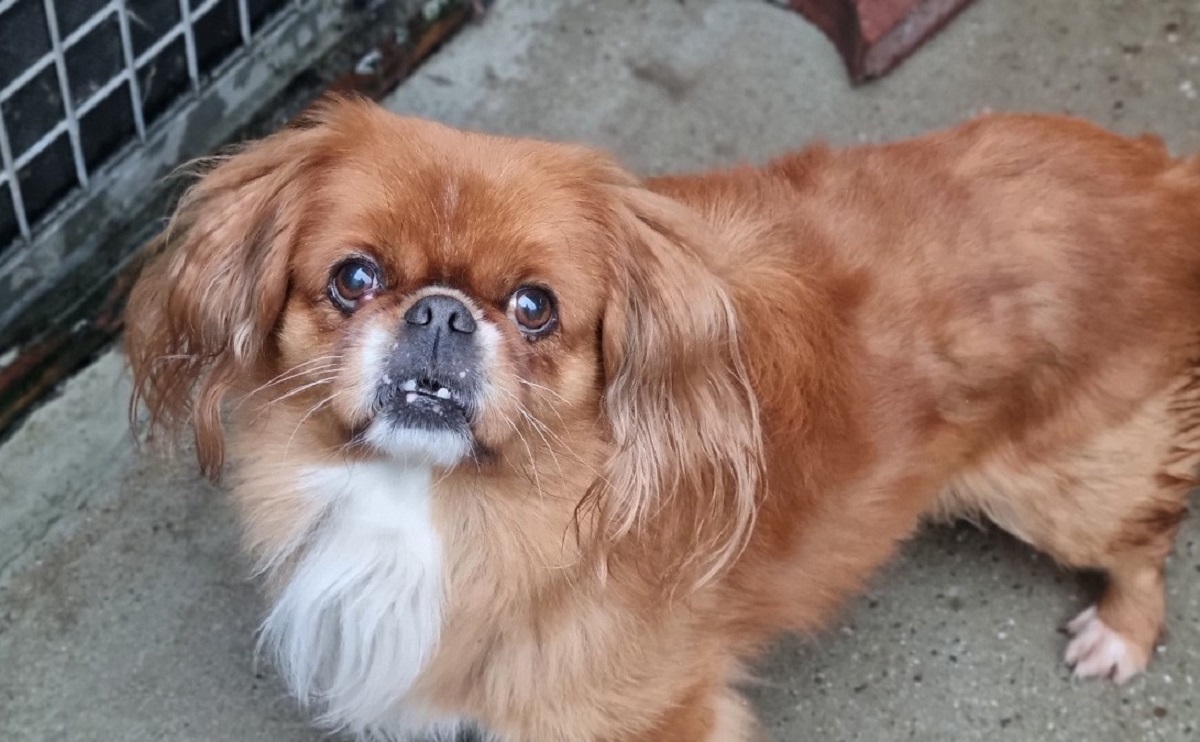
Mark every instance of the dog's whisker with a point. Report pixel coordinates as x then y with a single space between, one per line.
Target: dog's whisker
311 411
543 430
545 389
300 389
294 374
271 402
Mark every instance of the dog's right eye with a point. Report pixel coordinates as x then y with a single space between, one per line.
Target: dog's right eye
353 282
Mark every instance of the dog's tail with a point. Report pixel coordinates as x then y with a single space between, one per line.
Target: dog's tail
1183 177
1188 170
1190 166
1187 178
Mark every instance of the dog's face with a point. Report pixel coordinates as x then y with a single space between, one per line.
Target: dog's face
441 291
407 291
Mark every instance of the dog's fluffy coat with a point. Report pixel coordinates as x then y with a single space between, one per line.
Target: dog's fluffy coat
762 380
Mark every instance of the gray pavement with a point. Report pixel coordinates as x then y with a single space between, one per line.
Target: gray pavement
125 613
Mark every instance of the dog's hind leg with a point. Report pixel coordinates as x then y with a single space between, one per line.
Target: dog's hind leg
1112 504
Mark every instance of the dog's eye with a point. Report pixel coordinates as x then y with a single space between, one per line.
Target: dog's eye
353 282
532 308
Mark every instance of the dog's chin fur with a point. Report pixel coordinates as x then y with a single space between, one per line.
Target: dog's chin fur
440 448
756 383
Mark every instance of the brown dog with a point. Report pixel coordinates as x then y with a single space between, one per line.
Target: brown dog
527 443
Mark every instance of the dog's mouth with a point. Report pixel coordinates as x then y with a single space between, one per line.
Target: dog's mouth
424 402
425 390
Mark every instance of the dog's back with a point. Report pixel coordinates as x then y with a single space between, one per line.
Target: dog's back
1014 306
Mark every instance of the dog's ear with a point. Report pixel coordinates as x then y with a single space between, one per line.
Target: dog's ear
686 463
203 311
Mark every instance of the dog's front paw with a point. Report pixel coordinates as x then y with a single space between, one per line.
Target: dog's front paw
1097 650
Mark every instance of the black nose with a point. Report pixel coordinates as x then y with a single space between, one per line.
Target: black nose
439 310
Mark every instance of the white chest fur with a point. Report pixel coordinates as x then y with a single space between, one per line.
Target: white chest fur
361 611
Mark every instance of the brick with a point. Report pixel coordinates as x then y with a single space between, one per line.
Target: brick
873 36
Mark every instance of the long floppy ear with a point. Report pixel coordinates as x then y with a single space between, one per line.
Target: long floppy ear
686 466
202 313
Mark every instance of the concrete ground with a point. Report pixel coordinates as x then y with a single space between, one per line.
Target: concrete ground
125 612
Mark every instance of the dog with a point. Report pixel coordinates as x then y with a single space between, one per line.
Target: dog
527 444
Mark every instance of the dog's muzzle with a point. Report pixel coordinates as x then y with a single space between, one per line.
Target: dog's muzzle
431 381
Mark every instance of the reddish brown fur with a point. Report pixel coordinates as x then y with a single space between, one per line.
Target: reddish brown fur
765 379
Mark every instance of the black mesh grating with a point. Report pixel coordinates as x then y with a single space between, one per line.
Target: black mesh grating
80 79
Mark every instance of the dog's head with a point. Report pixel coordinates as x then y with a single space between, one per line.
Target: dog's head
415 292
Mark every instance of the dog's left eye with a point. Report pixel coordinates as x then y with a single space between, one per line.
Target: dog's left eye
353 282
532 308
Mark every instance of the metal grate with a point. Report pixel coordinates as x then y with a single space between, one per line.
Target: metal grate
79 79
99 99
